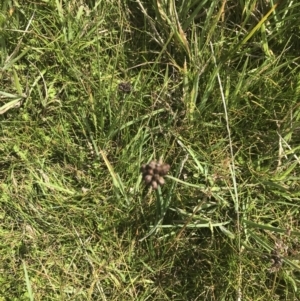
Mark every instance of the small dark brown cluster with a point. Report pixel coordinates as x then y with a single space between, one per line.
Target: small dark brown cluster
277 255
154 172
125 87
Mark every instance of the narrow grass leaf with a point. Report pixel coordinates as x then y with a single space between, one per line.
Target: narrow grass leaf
17 83
11 62
28 284
196 225
10 105
9 95
283 176
267 227
193 155
161 208
56 187
226 231
116 179
259 24
193 96
199 186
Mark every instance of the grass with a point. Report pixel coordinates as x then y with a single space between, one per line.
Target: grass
214 92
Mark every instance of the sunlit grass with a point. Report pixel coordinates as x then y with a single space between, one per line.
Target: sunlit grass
213 91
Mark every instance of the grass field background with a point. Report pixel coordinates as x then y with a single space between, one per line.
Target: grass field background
90 91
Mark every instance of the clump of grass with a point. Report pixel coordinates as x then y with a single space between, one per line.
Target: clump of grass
89 91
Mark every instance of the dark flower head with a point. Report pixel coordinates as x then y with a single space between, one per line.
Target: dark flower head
125 87
154 172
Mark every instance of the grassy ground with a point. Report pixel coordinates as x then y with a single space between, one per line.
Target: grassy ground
214 91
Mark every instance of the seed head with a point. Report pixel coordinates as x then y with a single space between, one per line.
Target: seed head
125 87
154 172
